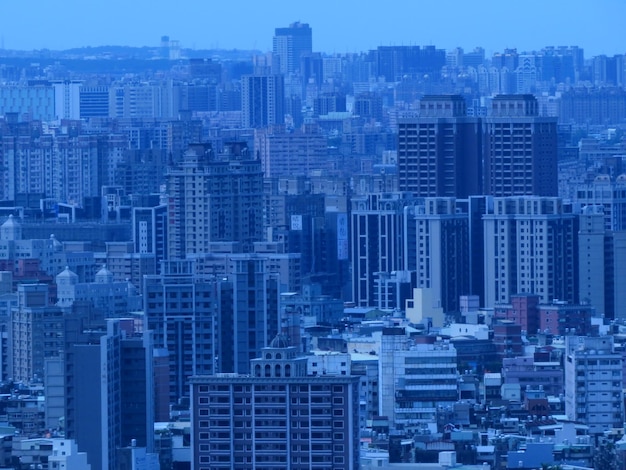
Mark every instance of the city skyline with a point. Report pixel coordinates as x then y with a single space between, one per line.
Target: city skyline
448 24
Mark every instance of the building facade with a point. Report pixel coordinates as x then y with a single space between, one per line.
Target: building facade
377 228
601 265
290 44
440 152
520 149
182 309
262 100
214 199
108 392
276 418
593 383
530 247
288 154
441 251
416 379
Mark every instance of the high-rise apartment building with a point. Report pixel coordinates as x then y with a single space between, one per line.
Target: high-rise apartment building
211 323
290 44
214 199
109 391
262 100
67 99
66 167
520 149
593 106
278 417
609 195
593 383
182 309
377 230
36 332
440 254
141 100
531 247
601 263
440 152
36 100
288 154
249 312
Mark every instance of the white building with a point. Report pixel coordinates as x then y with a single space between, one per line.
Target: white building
593 383
415 380
67 99
51 453
65 456
328 363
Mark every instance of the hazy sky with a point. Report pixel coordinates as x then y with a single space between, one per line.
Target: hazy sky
338 25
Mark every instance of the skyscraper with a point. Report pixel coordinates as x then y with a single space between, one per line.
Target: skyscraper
182 309
442 251
210 323
607 194
262 100
214 199
378 223
248 312
439 153
394 62
531 246
108 392
520 149
290 44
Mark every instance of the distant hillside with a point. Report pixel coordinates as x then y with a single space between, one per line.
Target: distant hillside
125 52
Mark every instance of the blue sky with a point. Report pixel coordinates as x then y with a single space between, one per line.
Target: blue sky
338 25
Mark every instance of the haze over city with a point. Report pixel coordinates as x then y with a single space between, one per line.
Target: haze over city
340 26
313 236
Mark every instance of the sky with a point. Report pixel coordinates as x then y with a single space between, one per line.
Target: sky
339 26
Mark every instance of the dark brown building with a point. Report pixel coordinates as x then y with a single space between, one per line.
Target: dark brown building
439 152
